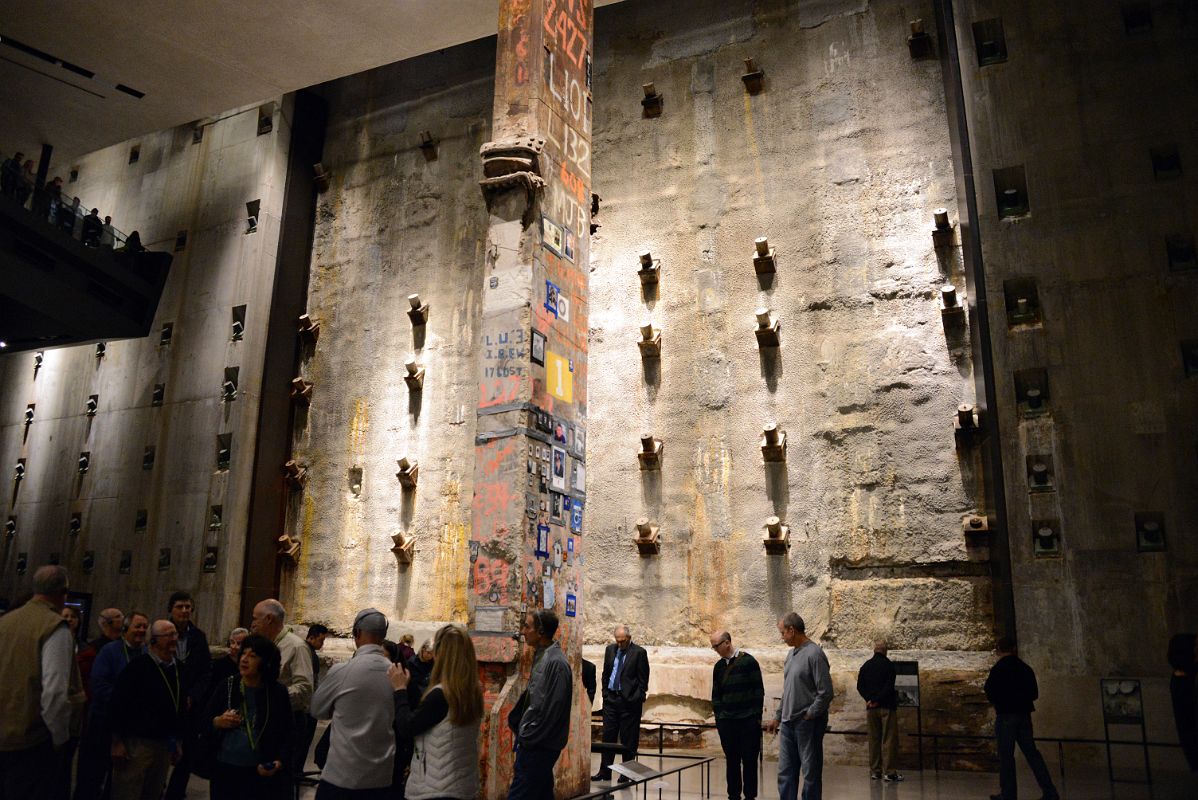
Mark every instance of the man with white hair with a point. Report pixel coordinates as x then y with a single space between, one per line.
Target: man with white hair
148 709
295 673
875 683
37 670
625 685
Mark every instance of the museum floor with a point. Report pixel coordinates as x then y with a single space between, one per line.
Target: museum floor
853 783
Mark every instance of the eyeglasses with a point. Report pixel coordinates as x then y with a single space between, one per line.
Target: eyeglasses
720 644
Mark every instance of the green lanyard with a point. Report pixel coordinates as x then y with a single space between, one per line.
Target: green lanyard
249 722
177 693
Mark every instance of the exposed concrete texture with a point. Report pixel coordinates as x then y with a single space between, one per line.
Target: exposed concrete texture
839 161
176 185
1119 428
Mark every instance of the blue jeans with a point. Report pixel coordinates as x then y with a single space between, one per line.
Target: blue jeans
801 749
532 776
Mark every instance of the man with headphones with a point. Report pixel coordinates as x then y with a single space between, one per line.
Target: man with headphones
357 696
542 715
148 708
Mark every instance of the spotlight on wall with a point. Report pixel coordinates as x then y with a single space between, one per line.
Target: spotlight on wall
754 77
295 474
976 529
650 452
919 43
39 358
92 404
768 329
649 269
409 472
648 537
652 101
321 177
773 443
404 547
158 395
18 472
10 527
309 330
228 391
101 349
650 341
289 548
942 230
252 209
414 375
1046 538
763 257
29 414
76 524
777 537
952 312
428 146
418 312
967 425
301 392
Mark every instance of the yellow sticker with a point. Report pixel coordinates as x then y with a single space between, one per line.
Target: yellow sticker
559 379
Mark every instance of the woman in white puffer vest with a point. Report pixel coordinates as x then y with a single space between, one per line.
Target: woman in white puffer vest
444 725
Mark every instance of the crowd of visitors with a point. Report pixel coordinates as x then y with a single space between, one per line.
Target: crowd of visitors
133 713
18 181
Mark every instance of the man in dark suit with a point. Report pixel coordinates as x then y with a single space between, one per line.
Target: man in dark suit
625 684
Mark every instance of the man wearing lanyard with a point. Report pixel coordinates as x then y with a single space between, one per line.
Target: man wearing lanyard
625 684
95 756
194 663
147 718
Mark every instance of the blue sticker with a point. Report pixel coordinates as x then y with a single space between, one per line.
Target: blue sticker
571 605
576 517
542 549
552 293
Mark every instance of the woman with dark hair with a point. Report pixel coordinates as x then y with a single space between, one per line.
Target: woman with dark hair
1183 658
251 728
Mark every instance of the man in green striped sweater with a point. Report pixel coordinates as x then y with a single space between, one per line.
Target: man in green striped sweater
737 698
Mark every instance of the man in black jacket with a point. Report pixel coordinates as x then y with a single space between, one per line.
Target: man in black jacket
195 662
625 684
875 683
147 717
1011 688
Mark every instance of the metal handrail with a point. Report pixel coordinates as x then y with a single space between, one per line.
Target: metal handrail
702 762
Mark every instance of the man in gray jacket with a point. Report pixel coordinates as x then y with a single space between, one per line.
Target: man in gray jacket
544 725
357 696
803 715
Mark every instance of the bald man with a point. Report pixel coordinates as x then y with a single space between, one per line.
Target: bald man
737 699
147 713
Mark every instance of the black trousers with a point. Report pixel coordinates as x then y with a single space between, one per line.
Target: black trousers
741 740
30 774
622 723
1012 729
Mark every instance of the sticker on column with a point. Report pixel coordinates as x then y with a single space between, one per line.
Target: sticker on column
570 551
552 295
542 550
559 377
547 586
563 306
580 477
571 605
576 516
538 348
558 479
553 236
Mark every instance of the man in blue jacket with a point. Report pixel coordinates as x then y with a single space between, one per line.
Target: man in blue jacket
544 726
94 775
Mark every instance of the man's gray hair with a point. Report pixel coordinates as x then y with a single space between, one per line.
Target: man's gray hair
623 627
275 609
793 620
427 644
50 579
237 632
